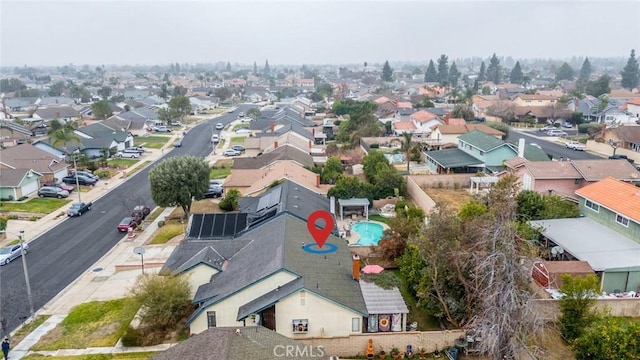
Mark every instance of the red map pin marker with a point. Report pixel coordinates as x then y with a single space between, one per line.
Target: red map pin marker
320 235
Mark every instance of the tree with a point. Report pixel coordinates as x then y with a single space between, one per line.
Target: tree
228 66
443 70
576 306
482 75
630 73
255 68
609 338
462 112
101 109
564 72
104 92
370 164
62 137
222 93
516 76
11 85
166 115
349 187
230 200
494 72
179 91
598 87
425 103
57 88
406 148
254 113
180 105
178 181
267 70
164 92
585 72
166 300
387 72
454 74
332 170
431 75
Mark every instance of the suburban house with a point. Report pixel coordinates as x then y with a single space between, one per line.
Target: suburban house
285 152
27 157
448 134
615 115
633 108
534 100
11 131
105 136
16 184
56 100
290 134
63 113
628 137
425 121
563 178
479 152
134 121
607 236
283 116
20 104
253 267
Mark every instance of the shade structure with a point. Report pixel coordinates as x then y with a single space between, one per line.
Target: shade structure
372 269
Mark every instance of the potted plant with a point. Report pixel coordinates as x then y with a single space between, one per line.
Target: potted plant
382 355
394 352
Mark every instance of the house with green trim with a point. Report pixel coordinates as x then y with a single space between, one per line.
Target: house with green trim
479 152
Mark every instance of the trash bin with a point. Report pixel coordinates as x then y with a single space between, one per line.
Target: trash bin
453 352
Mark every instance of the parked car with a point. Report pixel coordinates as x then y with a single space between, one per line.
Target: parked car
50 191
219 126
243 131
536 145
178 143
129 155
575 145
128 222
214 192
559 133
82 180
135 150
176 123
214 183
140 212
215 138
87 174
621 157
231 152
567 125
60 185
162 128
548 128
11 252
79 208
239 148
241 114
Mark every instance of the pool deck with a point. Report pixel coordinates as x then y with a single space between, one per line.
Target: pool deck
352 240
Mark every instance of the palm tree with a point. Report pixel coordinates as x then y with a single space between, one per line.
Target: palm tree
62 137
406 147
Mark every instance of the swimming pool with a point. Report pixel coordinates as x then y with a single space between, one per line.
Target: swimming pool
370 233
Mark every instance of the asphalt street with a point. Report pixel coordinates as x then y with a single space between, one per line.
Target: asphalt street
549 145
57 257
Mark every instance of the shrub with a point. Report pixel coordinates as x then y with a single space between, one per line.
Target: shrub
3 222
160 223
33 218
230 201
103 173
132 337
165 300
589 128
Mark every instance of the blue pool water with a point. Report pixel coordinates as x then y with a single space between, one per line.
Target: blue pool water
370 233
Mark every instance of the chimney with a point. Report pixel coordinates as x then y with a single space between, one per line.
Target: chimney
521 148
275 144
318 180
356 267
310 144
273 126
313 132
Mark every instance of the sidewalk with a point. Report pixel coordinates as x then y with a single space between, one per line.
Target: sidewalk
111 277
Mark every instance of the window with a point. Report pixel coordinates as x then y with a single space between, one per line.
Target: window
592 206
300 325
355 324
211 319
622 220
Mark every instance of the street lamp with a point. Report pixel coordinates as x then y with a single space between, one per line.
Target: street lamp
140 251
26 274
75 172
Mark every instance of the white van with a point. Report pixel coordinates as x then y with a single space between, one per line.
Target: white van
215 138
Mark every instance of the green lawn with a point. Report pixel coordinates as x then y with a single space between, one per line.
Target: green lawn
38 206
167 232
219 173
138 167
376 217
91 324
151 141
237 140
155 213
122 163
240 126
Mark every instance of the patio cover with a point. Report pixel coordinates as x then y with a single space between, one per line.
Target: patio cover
381 301
364 202
454 158
586 240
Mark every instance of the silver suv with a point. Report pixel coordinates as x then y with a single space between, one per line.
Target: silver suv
50 191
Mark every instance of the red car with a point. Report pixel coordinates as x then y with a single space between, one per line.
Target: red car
128 222
62 186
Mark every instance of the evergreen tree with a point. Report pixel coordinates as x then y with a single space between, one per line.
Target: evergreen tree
494 71
255 68
482 76
585 72
443 70
565 72
267 70
431 75
177 68
454 74
630 72
516 75
228 66
387 72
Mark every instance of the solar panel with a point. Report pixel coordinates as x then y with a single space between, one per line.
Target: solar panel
205 226
270 199
196 225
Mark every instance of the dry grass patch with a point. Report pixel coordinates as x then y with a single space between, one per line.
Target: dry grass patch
92 324
117 356
224 163
456 198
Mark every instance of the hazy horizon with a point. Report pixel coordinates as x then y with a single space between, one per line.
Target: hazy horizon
103 32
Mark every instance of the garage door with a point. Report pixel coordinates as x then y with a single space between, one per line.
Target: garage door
30 188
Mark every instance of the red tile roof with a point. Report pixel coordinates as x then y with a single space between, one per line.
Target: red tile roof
422 116
615 195
404 125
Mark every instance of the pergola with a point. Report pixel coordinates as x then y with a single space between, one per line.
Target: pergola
354 202
478 182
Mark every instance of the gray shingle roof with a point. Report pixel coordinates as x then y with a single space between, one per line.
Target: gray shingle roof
57 112
453 158
262 302
222 343
13 177
481 140
103 131
284 152
210 252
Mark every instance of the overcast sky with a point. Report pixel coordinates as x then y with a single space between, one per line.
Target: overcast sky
102 32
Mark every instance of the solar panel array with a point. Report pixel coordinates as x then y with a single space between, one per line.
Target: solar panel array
206 226
269 200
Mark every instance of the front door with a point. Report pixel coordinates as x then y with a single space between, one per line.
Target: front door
268 317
